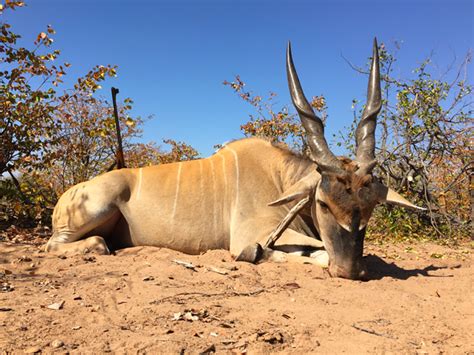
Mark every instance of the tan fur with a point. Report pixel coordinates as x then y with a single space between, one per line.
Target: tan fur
215 203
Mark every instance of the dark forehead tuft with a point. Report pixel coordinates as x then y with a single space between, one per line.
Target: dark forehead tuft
340 186
350 166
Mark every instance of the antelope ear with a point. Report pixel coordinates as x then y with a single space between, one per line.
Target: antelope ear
390 196
304 187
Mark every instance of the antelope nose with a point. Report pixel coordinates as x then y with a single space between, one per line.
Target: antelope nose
363 274
337 271
359 273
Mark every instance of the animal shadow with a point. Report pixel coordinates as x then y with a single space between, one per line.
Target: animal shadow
379 268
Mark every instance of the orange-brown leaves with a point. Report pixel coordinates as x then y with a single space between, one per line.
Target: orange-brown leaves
145 154
279 126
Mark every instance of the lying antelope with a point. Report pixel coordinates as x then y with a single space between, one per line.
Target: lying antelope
234 199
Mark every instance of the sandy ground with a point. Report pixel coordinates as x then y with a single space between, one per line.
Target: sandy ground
148 300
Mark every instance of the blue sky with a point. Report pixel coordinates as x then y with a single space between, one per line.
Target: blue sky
174 55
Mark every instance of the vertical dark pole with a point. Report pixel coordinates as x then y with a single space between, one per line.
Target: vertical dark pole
119 155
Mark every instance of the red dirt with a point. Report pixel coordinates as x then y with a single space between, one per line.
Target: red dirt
419 300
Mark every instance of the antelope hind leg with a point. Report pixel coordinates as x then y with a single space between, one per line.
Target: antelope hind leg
85 215
94 244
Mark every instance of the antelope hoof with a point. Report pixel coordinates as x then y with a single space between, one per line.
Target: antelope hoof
96 245
251 254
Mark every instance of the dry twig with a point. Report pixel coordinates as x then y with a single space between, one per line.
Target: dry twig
204 294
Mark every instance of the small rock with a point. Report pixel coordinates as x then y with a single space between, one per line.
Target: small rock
56 306
190 317
77 327
148 278
89 259
177 316
33 350
291 286
209 350
272 338
6 287
226 325
57 343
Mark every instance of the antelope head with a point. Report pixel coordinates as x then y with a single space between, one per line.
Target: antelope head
343 192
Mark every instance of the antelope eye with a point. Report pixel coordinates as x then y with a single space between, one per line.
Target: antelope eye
323 206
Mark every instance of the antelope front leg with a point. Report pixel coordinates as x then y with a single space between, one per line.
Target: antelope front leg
290 247
256 253
319 258
297 247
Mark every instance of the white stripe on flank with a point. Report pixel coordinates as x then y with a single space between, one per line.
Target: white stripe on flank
201 182
177 191
214 210
224 198
140 177
224 173
236 159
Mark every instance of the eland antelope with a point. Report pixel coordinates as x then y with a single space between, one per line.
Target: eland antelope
234 199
